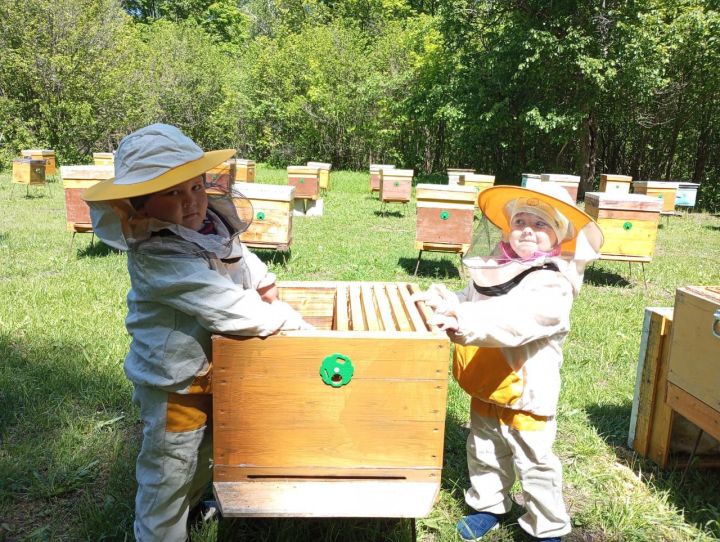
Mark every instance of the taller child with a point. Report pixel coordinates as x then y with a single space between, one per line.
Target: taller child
190 277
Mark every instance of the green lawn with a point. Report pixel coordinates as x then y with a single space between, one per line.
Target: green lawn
69 434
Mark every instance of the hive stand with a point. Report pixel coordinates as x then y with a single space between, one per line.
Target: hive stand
346 420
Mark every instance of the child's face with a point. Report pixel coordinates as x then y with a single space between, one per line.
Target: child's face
530 234
184 204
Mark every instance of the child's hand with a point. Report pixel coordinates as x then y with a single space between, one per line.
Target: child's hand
293 319
438 298
444 322
268 293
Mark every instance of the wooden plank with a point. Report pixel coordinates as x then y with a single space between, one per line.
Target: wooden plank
317 305
398 309
424 309
638 240
229 473
362 498
412 311
697 412
368 303
342 321
383 304
357 320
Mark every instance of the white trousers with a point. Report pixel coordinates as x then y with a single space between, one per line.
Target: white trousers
497 454
172 471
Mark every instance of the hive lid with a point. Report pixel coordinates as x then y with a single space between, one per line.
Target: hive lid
530 175
688 185
620 201
258 191
559 178
617 178
303 170
397 172
479 177
446 192
44 152
320 165
87 172
460 170
378 167
244 162
28 160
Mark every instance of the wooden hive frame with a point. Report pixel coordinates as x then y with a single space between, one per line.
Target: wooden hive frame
287 444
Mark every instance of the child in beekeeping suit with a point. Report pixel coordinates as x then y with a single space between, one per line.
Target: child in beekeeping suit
526 262
190 277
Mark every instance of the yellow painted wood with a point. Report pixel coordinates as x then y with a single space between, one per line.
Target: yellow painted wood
664 190
324 168
615 183
244 170
272 214
46 155
639 240
28 171
460 197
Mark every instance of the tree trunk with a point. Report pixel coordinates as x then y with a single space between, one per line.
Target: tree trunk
588 150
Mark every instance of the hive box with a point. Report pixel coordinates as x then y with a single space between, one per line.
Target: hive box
396 185
568 182
662 190
47 155
219 179
629 224
615 183
454 174
272 215
477 181
297 432
244 170
28 171
76 179
375 175
306 181
445 216
324 168
686 194
530 180
104 158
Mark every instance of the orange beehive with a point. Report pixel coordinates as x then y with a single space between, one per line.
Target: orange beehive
375 175
445 215
28 171
306 181
47 155
77 179
568 182
662 190
272 215
244 170
396 185
219 179
615 183
344 420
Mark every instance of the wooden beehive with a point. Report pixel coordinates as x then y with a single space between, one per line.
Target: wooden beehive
244 170
454 174
615 183
272 215
375 175
28 171
219 179
530 180
296 435
396 185
629 224
104 158
306 181
568 182
478 181
445 216
47 155
76 179
662 190
324 168
686 195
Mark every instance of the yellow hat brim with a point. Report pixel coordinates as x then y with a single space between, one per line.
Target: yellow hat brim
111 190
493 201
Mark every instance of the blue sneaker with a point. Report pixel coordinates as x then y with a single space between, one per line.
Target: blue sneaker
475 526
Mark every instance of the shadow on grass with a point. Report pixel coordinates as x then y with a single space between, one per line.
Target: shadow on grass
601 277
389 214
272 256
94 248
712 228
439 269
696 495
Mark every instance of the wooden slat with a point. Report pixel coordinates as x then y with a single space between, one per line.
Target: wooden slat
357 321
368 303
366 498
383 303
341 308
697 412
398 308
424 309
412 311
229 473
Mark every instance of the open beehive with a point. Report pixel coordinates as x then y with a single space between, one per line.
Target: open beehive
346 420
396 185
272 215
77 179
375 175
445 215
324 168
47 155
306 181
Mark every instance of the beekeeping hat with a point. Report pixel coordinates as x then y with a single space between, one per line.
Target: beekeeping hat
154 158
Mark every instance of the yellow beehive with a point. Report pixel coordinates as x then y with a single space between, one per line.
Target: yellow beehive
346 420
375 175
396 185
663 190
272 215
244 170
47 155
615 183
454 174
306 181
28 171
445 215
568 182
324 168
478 181
629 224
104 158
77 179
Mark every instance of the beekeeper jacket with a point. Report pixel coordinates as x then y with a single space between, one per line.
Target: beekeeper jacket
508 348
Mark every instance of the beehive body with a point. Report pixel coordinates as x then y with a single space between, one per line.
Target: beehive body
28 171
281 434
530 180
445 216
219 179
568 182
662 190
478 181
324 168
306 181
375 175
628 221
455 173
103 158
396 185
77 179
244 170
686 195
47 155
272 215
615 183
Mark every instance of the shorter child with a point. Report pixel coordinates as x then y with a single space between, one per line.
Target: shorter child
508 327
190 277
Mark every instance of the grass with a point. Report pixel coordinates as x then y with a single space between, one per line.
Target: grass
69 433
